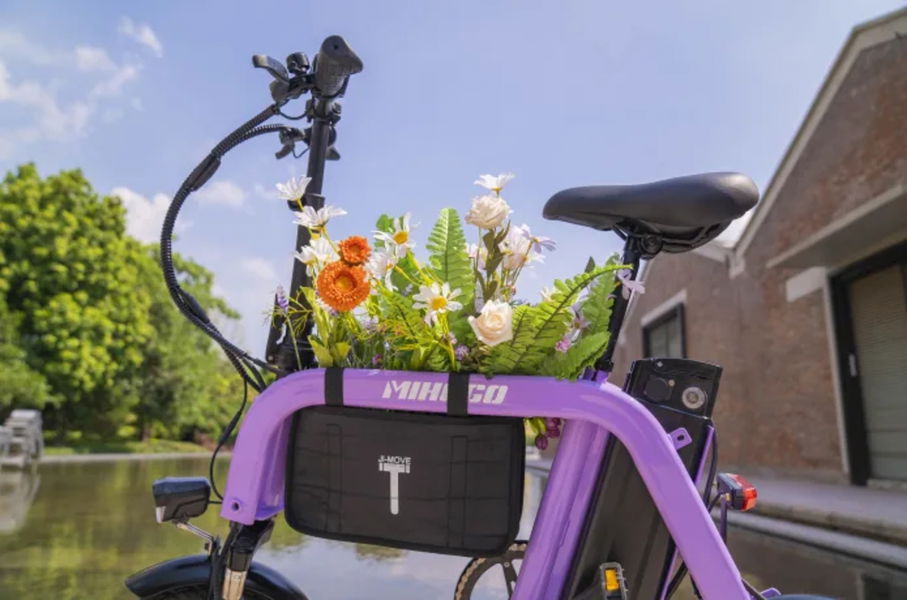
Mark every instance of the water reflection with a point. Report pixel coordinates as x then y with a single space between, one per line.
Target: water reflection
18 488
92 524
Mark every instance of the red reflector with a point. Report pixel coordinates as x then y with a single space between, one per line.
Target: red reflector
743 493
749 498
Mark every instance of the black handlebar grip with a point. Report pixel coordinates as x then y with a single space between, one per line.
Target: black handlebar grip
333 64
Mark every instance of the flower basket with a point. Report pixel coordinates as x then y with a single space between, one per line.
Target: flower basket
374 304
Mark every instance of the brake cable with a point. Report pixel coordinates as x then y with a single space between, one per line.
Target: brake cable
244 363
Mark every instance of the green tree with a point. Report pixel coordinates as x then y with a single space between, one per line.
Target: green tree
20 385
83 314
87 328
186 386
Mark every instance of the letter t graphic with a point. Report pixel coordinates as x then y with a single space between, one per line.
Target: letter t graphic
394 470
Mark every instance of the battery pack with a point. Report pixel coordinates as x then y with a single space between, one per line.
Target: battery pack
623 525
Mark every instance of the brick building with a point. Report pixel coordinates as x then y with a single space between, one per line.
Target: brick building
807 310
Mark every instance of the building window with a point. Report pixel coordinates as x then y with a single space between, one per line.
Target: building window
664 337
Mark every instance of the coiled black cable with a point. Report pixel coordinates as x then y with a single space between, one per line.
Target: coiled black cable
245 364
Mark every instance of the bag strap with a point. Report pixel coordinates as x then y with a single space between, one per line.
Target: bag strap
458 394
333 386
457 391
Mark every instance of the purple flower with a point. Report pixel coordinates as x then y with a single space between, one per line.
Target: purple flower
579 321
282 302
376 360
554 432
369 324
461 352
541 442
563 345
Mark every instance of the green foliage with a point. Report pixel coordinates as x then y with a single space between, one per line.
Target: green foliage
87 329
184 385
20 385
451 263
596 307
582 354
413 344
505 358
537 329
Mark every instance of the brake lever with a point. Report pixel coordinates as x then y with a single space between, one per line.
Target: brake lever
272 66
288 138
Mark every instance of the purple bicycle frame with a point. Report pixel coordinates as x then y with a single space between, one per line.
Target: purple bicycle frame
593 410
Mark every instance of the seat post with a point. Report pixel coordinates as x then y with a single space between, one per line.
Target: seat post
633 253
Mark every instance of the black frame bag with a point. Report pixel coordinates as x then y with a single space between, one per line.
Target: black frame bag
435 483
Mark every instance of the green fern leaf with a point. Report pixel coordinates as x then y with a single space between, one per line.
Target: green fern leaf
582 354
505 358
597 305
553 319
402 321
451 263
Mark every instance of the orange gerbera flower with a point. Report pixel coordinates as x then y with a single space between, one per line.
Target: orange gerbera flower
342 287
355 250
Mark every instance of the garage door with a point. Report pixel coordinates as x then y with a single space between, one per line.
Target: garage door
878 306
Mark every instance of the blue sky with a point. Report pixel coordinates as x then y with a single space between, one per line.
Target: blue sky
561 93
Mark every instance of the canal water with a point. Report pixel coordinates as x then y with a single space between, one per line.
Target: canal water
73 531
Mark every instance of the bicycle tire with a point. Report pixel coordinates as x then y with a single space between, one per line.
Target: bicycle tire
479 566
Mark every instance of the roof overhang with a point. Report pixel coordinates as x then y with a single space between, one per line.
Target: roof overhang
879 222
864 36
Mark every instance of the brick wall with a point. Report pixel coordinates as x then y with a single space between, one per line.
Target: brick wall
778 407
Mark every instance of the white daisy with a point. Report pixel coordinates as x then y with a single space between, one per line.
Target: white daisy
317 254
294 189
380 266
437 300
399 240
317 219
495 183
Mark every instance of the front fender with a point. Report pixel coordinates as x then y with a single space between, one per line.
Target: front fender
196 570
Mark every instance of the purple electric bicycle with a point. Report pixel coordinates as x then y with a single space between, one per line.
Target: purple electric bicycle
434 461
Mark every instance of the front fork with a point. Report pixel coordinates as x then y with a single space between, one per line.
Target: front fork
230 563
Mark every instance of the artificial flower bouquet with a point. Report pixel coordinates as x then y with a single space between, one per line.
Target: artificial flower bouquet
375 305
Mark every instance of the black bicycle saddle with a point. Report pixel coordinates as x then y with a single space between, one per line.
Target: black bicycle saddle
685 212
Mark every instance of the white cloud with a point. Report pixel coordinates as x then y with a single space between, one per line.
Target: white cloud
113 85
142 34
144 216
51 120
264 193
259 268
222 192
15 44
89 58
50 117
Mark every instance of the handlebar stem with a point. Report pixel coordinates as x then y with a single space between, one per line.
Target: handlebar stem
323 117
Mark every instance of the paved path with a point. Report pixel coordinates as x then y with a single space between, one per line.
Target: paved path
870 512
863 522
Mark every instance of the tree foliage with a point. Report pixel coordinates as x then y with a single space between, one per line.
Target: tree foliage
87 330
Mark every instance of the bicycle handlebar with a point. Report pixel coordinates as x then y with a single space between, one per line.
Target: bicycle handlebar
334 62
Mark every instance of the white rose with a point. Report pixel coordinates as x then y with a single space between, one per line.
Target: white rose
487 212
494 324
